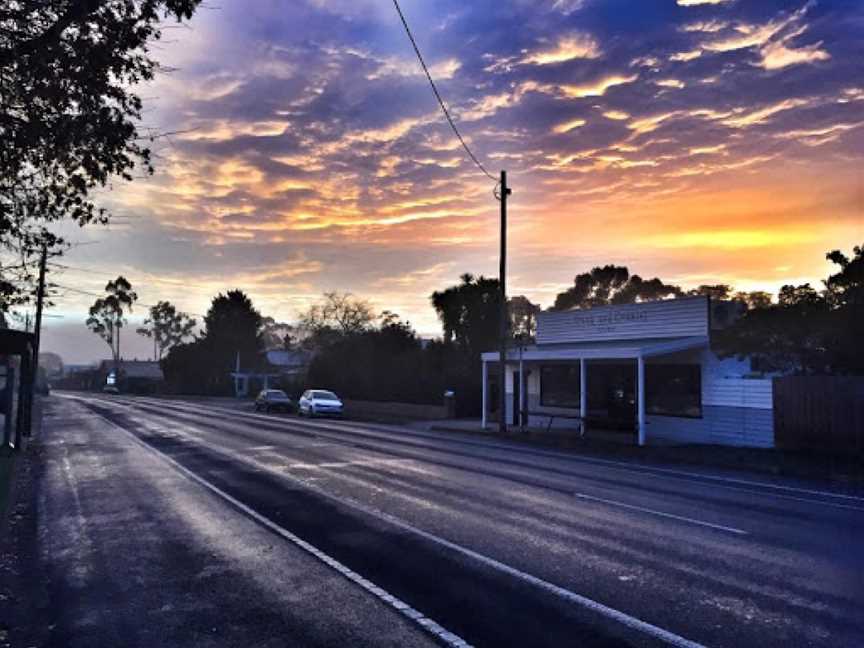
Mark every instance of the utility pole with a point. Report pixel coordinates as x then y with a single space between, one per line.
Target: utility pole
502 325
37 338
40 298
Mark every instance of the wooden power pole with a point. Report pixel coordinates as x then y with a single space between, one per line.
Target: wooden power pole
33 366
40 298
502 325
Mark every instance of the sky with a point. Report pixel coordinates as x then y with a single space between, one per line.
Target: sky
701 141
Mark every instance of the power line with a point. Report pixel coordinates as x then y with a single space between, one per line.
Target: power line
438 94
169 282
94 294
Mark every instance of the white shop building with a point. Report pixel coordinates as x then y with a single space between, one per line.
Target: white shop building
644 369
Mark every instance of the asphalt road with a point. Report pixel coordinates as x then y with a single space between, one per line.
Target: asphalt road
176 523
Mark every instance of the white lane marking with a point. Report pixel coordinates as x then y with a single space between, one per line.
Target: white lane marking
732 480
650 470
672 516
563 593
348 464
427 624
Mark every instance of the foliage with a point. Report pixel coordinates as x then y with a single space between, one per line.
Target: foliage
378 363
232 329
786 337
187 369
754 299
388 362
523 318
844 291
167 327
334 316
846 287
469 313
717 292
611 284
107 314
808 331
276 335
69 116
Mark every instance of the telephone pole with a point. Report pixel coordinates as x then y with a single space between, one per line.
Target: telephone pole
32 367
502 325
40 298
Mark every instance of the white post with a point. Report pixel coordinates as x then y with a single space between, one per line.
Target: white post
485 386
583 389
640 399
521 390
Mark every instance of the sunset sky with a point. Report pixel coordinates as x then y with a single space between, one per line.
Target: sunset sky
701 141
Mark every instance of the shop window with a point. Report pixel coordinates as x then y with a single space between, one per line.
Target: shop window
559 386
673 390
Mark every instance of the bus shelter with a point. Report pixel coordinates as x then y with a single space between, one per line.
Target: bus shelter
17 373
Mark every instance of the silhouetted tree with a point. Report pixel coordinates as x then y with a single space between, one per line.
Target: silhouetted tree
469 313
523 318
789 336
335 315
754 299
276 335
383 363
844 291
232 326
611 284
107 314
167 327
70 119
718 292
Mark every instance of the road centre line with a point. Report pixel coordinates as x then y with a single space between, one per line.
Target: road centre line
681 518
572 597
346 464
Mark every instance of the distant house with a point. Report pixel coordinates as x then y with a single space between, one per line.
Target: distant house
278 367
132 376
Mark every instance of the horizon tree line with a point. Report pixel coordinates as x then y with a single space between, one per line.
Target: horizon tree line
365 354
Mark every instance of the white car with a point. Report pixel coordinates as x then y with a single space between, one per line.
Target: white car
319 402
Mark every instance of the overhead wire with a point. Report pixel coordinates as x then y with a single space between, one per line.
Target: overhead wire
92 271
438 95
95 294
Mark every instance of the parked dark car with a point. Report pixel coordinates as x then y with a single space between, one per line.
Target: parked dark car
273 400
